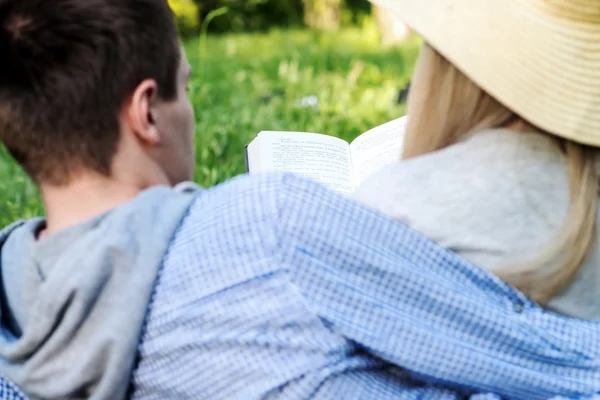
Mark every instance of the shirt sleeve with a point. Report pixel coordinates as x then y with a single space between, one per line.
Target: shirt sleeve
423 308
227 322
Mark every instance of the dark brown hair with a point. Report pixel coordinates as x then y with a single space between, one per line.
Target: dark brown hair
66 69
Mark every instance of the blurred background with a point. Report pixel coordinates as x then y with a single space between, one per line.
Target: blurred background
337 67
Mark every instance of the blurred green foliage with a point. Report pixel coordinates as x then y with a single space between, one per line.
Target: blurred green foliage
262 15
252 15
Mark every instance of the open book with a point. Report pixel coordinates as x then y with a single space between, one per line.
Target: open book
340 165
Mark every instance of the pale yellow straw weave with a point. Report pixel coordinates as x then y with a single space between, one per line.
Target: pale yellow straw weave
540 58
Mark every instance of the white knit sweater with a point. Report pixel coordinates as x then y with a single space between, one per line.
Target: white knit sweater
495 198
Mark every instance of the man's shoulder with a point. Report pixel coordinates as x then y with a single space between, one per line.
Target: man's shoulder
275 201
249 224
230 247
263 184
245 207
227 294
277 217
266 195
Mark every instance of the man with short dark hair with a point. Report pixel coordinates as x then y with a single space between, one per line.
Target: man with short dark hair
93 106
139 284
74 74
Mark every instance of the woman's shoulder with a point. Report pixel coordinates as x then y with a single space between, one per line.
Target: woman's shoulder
490 154
486 164
479 193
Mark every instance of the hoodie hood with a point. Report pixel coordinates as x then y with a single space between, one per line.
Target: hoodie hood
73 305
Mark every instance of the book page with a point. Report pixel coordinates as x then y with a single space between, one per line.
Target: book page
377 148
323 158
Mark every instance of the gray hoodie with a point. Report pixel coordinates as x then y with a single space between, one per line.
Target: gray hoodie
73 305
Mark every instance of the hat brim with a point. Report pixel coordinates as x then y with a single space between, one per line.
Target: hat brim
543 66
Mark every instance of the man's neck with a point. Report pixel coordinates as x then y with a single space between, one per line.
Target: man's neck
82 200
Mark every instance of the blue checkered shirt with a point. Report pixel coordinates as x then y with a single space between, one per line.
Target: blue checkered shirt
276 288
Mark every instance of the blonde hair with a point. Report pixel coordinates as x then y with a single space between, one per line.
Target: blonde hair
446 107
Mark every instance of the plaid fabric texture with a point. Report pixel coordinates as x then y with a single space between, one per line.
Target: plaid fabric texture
8 391
276 288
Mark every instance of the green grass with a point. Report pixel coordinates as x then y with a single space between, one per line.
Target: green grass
355 80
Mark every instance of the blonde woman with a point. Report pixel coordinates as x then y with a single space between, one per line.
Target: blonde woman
499 163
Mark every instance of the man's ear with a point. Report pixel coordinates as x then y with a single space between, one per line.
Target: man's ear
139 113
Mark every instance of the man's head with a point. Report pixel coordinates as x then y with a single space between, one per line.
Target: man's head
94 86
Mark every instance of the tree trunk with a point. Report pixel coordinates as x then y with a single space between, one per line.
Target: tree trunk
322 14
391 28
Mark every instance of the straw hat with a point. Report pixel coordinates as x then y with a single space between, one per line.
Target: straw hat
540 58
